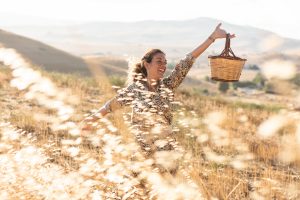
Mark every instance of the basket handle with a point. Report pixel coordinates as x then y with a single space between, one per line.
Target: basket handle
227 50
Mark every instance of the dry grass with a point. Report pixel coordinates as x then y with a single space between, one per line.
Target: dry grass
228 150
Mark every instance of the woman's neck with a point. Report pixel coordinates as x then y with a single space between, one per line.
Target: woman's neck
152 84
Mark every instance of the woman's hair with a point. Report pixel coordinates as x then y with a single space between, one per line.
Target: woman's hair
138 71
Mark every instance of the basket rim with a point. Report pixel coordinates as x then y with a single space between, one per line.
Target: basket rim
227 57
224 80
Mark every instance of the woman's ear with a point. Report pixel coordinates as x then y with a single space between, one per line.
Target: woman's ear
146 65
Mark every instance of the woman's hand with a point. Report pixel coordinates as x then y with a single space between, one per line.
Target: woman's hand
220 33
88 124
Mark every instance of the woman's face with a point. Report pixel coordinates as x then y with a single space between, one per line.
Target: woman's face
157 67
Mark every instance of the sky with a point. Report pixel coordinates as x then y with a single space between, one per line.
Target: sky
279 16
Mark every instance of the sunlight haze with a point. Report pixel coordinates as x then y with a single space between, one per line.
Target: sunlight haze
278 16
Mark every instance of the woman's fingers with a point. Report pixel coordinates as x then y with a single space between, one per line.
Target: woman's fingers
86 128
219 25
221 33
84 125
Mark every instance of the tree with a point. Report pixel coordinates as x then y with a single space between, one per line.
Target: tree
259 80
223 87
253 67
296 79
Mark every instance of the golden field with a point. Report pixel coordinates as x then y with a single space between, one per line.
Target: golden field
228 149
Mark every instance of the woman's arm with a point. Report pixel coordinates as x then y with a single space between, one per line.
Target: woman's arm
109 106
87 123
217 34
182 68
123 98
97 115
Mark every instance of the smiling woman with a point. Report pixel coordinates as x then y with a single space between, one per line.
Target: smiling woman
152 67
151 96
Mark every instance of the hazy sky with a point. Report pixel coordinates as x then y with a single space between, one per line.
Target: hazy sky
280 16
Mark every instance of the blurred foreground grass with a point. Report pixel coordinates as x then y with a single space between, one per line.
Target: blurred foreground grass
232 150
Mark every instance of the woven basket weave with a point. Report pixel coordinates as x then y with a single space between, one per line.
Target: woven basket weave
226 67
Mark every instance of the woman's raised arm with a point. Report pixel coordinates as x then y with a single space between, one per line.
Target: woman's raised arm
216 34
181 69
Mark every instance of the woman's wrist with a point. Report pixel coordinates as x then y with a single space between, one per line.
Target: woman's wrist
212 37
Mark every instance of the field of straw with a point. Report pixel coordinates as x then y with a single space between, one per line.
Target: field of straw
224 150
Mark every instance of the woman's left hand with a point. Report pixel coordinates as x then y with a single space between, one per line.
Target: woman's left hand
220 33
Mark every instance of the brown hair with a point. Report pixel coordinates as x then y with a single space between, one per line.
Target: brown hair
138 71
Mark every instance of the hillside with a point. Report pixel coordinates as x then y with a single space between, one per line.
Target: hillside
175 37
43 55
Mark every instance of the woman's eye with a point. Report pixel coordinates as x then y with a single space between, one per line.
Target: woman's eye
160 62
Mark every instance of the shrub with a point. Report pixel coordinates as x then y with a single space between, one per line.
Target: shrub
223 87
252 67
244 84
259 80
296 80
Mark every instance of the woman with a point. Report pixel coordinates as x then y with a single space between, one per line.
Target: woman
151 96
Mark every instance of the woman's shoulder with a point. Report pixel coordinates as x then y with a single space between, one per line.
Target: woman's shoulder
134 86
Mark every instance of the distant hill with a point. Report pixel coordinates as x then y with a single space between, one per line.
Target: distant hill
110 65
260 58
43 55
175 37
120 39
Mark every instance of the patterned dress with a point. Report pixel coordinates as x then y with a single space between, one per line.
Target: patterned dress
151 115
146 104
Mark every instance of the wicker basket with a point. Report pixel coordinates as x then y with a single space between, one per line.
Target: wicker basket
225 67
